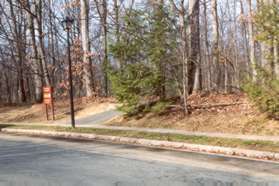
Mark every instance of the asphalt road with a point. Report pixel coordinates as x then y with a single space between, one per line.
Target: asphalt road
37 161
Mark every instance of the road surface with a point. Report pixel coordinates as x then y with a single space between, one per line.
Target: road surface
38 161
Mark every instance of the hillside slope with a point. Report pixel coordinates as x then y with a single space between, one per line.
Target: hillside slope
225 113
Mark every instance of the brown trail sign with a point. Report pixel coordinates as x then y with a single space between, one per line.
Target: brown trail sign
48 101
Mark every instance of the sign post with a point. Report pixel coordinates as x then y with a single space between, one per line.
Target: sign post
48 101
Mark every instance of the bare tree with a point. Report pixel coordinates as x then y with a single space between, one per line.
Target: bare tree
18 33
183 50
252 42
87 67
102 9
35 57
41 48
215 43
207 65
194 68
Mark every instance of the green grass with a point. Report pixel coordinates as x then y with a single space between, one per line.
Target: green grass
224 142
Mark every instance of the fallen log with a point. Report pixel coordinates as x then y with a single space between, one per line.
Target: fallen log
207 106
216 105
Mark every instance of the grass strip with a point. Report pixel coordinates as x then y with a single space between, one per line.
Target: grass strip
203 140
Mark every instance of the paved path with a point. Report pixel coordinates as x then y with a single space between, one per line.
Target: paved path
36 161
92 120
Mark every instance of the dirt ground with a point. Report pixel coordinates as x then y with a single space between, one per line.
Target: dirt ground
231 113
36 113
225 113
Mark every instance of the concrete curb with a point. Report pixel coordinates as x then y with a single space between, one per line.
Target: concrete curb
262 155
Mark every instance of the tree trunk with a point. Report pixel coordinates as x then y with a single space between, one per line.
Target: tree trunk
52 42
276 60
19 42
87 66
103 13
215 44
184 55
226 76
208 66
266 49
194 33
35 59
247 68
41 48
105 30
117 26
252 43
9 92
